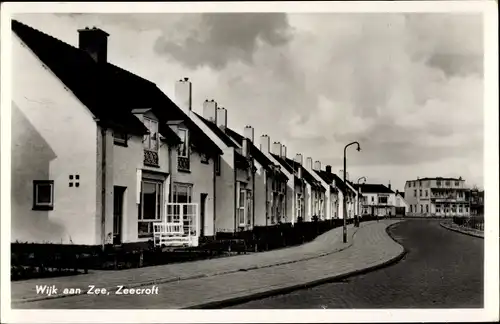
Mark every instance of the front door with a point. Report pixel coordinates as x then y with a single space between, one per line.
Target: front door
118 194
203 199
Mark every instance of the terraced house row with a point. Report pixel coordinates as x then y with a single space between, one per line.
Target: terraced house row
103 156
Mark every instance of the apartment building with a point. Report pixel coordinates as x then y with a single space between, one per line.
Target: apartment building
443 197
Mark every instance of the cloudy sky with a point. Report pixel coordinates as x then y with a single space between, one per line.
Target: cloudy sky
408 87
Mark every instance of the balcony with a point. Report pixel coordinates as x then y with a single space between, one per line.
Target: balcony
151 158
183 163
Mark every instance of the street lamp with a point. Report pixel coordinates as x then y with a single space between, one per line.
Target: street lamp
344 200
356 223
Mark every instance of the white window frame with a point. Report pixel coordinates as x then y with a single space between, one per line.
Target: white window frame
185 142
153 133
43 205
298 207
242 207
159 205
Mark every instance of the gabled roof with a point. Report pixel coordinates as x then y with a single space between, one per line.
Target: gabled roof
305 174
108 91
287 167
372 188
254 151
339 183
218 132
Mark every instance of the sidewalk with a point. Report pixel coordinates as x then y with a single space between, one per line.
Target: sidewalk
327 243
462 229
372 247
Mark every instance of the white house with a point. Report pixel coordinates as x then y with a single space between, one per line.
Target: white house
402 206
234 184
325 177
270 182
378 200
93 156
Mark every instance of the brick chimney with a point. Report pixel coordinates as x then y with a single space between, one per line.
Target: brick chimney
317 165
183 94
277 148
221 118
95 42
248 132
265 143
298 158
210 110
309 163
283 151
328 168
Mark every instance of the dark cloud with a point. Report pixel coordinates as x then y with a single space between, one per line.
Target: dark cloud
456 64
225 37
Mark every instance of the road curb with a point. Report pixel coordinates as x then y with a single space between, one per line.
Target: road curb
169 280
446 226
289 289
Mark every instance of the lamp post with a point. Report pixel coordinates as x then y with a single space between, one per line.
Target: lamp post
344 200
356 223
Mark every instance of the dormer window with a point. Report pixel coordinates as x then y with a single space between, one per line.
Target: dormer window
184 147
120 138
151 139
183 163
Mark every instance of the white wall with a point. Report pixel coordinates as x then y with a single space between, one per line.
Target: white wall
53 137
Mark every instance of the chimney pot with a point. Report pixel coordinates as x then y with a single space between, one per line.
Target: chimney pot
210 111
298 158
317 165
277 148
328 168
95 42
264 143
248 132
221 118
183 94
309 163
283 151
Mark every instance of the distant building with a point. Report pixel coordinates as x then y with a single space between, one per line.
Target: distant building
376 200
443 197
476 202
402 206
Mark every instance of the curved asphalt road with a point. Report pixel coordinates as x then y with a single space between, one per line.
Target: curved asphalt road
443 269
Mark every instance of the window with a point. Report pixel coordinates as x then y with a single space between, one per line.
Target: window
420 192
151 139
382 200
409 184
218 165
421 209
427 209
182 193
241 207
460 210
457 183
204 158
150 207
438 183
427 193
373 199
466 209
299 205
438 210
415 192
447 183
411 208
184 147
43 195
120 138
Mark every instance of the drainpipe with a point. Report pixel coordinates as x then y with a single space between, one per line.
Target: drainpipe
215 192
103 191
236 193
266 182
253 193
170 171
